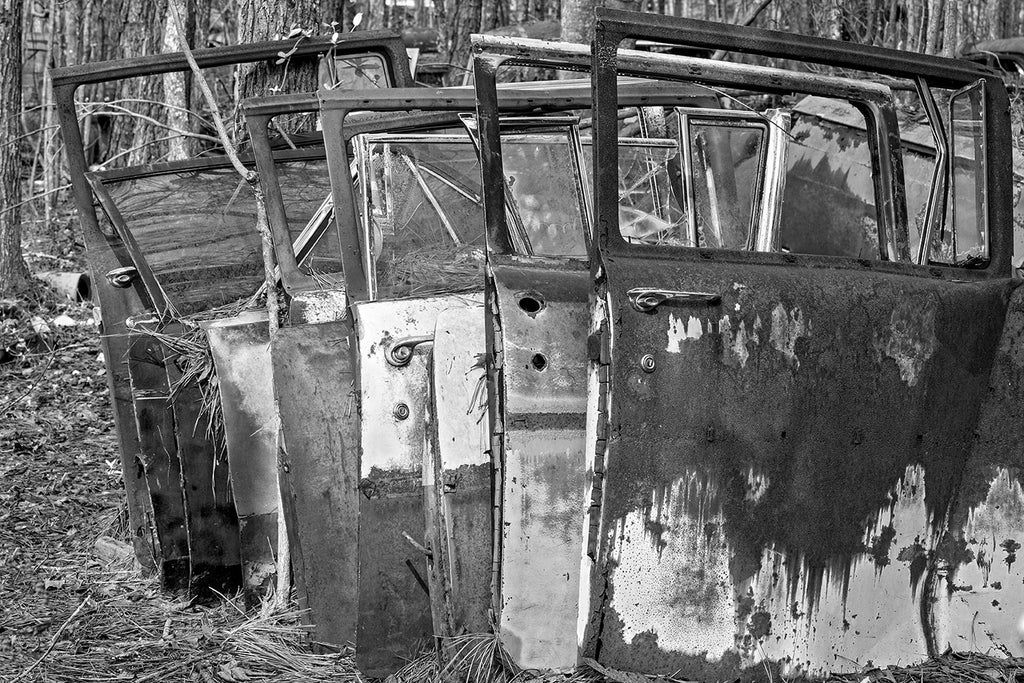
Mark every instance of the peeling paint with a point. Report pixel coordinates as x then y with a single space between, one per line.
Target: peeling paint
787 328
757 486
319 306
910 339
680 330
737 342
987 606
694 609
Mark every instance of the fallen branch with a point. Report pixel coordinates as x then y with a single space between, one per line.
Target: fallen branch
53 642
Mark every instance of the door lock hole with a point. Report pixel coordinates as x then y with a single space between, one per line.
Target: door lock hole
539 362
531 304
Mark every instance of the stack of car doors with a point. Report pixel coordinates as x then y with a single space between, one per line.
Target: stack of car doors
408 209
651 368
171 242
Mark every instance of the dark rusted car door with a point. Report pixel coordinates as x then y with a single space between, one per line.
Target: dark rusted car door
779 439
121 296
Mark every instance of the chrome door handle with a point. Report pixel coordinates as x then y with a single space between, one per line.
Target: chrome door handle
400 353
646 300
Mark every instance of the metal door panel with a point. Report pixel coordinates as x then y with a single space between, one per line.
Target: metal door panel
240 347
314 382
394 622
542 317
782 458
209 508
457 475
158 456
988 524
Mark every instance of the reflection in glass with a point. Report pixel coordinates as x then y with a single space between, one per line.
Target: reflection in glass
543 179
726 160
963 241
426 231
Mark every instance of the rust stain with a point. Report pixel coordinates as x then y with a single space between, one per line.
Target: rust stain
788 327
910 339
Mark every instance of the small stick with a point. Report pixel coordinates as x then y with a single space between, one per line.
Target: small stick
53 642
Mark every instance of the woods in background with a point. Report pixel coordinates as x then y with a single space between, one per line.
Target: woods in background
144 120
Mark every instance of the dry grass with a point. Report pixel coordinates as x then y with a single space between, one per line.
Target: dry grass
441 269
126 628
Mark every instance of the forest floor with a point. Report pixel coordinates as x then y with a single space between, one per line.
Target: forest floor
75 605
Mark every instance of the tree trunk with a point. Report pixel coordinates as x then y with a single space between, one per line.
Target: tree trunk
578 20
915 10
999 21
259 20
133 140
934 26
177 94
13 273
951 29
457 20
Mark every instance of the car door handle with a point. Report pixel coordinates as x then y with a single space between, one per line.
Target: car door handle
646 300
400 352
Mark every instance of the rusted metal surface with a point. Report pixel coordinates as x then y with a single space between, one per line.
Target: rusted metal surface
539 338
314 382
984 609
457 476
210 518
240 347
394 622
790 516
157 455
801 502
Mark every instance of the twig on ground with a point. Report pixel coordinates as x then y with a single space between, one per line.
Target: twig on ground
53 642
49 361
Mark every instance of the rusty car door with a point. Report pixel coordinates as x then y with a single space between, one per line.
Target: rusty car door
124 294
779 439
537 338
396 297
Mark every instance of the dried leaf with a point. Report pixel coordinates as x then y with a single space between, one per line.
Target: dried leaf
614 675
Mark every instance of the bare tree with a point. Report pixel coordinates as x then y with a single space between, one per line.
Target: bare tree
177 95
259 20
13 273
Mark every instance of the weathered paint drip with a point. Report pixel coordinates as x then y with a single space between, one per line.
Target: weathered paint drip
986 605
788 326
696 606
798 484
680 329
